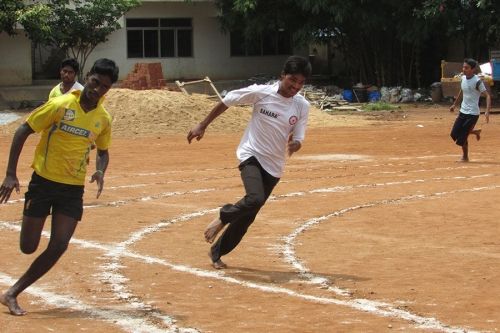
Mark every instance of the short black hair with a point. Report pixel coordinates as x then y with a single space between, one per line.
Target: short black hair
71 62
471 62
107 67
297 65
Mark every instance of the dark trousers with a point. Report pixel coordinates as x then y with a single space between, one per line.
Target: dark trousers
463 125
258 186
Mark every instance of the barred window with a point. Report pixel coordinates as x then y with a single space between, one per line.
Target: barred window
267 43
159 37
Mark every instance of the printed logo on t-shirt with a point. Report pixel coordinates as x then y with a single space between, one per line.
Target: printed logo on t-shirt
268 113
74 130
69 115
293 120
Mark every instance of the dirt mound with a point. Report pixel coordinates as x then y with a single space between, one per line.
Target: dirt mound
143 112
153 112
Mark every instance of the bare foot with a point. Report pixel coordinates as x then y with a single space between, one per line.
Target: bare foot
11 303
478 134
212 229
218 264
463 160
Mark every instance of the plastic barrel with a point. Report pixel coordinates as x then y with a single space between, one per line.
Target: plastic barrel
436 92
374 96
347 95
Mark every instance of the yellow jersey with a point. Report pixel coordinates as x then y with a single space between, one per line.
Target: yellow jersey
67 135
56 91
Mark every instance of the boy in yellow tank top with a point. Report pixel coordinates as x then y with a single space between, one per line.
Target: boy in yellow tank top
69 125
68 73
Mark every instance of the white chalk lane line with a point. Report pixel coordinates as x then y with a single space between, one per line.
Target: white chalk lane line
380 308
121 318
368 306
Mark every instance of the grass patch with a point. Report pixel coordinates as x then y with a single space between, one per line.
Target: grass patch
379 106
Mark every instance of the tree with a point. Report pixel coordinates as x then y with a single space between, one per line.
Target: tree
475 22
367 32
9 10
384 42
77 26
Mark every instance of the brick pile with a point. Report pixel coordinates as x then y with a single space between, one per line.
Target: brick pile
145 76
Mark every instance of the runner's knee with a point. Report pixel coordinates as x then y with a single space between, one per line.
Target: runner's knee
57 248
28 247
255 201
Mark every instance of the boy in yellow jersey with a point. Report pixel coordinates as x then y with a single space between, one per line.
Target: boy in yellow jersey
68 124
68 73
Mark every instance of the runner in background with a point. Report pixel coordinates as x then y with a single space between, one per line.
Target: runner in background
69 72
471 89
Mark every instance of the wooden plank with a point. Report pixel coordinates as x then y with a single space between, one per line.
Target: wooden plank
180 85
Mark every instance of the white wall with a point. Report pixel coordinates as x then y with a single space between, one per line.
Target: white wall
211 54
15 60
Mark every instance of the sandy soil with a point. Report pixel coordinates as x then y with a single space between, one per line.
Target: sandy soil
151 112
374 227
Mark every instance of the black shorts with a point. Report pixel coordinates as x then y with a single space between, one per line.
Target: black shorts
462 127
44 196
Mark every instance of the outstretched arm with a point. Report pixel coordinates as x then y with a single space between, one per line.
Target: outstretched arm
10 182
199 130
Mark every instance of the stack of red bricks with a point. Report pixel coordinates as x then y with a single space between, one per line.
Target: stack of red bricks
145 76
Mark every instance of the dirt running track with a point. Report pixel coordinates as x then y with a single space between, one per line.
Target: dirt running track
373 228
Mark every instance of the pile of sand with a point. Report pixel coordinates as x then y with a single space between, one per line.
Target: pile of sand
162 111
154 112
143 112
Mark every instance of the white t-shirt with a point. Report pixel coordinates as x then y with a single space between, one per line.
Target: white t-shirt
56 91
274 117
470 94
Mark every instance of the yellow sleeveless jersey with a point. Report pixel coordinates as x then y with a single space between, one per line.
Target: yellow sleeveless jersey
67 135
56 91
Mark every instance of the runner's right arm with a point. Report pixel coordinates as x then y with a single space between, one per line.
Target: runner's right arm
457 100
199 130
10 182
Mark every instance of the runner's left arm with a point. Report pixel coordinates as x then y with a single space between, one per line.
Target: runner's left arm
101 164
488 105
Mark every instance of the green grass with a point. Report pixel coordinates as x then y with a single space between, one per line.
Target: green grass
379 106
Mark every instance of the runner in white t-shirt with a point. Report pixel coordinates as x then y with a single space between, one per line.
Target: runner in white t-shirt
471 89
277 128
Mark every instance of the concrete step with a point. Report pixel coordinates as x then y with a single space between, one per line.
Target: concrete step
16 97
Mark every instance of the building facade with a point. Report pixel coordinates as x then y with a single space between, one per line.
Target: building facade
185 37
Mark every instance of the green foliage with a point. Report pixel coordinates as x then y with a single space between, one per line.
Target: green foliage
9 11
36 22
384 42
255 17
475 22
379 106
77 26
245 6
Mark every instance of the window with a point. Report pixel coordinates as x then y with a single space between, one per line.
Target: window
267 43
159 38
